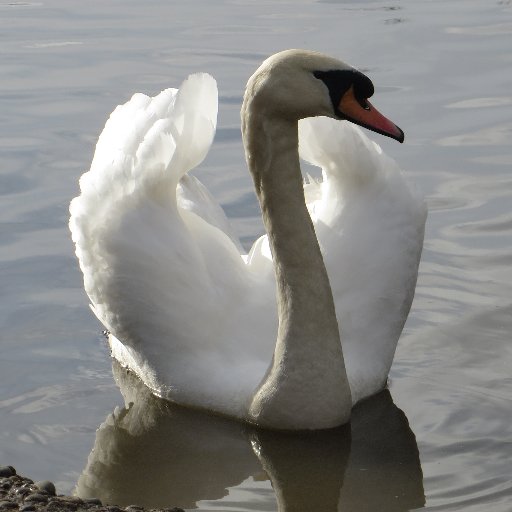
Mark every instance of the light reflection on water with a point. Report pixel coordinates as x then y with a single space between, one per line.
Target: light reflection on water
441 71
154 453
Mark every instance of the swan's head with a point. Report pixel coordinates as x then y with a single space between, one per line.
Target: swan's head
295 84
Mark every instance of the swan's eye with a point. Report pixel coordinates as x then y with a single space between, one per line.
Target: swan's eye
363 89
364 104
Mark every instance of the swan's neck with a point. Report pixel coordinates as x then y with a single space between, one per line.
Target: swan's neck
306 385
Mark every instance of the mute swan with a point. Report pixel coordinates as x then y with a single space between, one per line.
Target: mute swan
198 322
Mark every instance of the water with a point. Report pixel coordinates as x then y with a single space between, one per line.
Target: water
442 438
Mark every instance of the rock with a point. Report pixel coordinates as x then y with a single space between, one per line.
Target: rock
71 499
61 506
37 498
93 501
28 508
20 494
64 503
46 486
24 490
7 471
7 505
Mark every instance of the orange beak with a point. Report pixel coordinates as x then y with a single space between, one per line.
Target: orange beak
368 116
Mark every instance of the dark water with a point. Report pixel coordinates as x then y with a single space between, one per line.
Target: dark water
442 437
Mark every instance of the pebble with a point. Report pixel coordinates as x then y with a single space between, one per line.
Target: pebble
61 506
71 499
93 501
28 508
21 494
7 471
6 505
37 497
24 490
47 486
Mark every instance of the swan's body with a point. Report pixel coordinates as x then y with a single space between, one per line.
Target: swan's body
195 319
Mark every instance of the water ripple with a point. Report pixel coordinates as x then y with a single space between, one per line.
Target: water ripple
497 135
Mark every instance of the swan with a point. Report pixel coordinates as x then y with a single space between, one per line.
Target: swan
294 333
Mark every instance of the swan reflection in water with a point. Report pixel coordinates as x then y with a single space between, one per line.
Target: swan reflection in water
156 454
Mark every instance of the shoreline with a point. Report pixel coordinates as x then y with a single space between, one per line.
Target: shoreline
22 494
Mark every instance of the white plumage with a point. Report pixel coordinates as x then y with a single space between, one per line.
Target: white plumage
194 318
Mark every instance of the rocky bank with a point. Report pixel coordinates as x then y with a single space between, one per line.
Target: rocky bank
19 493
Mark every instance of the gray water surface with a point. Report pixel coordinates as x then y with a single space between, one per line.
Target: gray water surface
442 436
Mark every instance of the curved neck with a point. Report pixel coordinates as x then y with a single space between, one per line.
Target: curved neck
306 385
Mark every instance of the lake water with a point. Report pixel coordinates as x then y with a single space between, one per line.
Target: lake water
442 437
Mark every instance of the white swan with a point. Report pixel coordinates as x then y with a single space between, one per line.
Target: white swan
198 321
